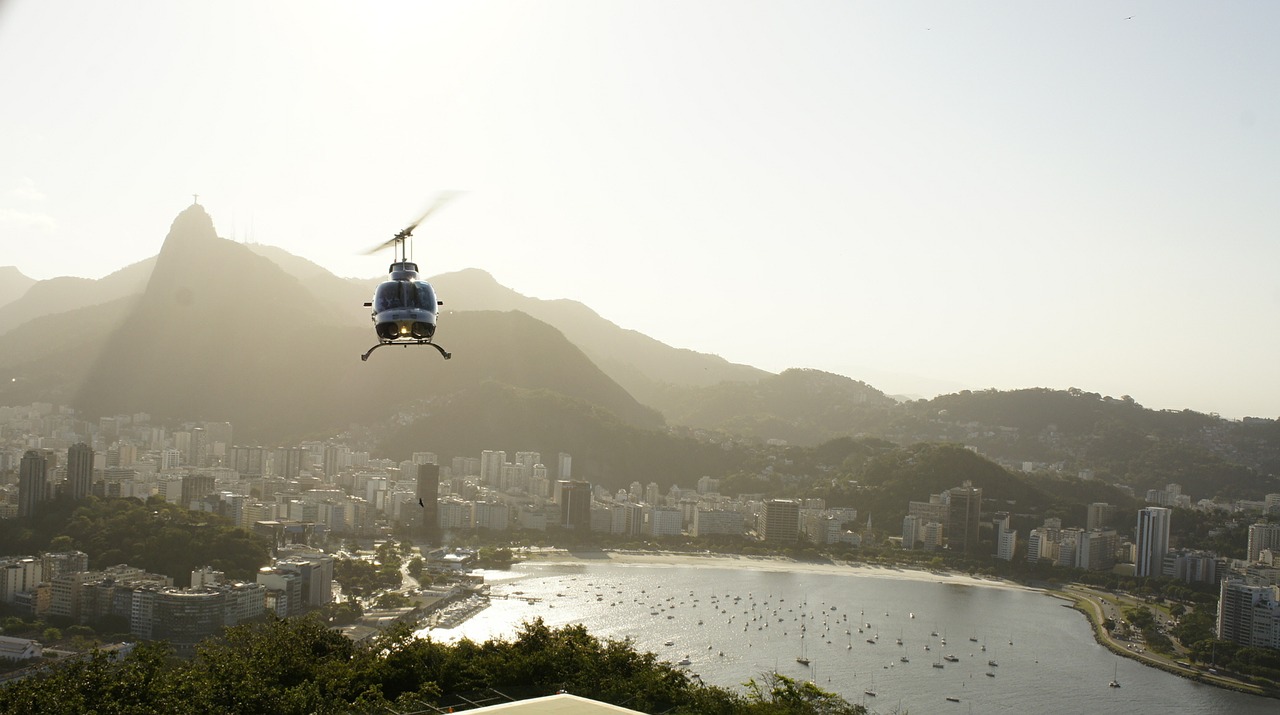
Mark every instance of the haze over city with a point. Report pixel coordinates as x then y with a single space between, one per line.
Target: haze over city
925 196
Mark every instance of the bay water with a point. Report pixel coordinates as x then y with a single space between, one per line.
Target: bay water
733 624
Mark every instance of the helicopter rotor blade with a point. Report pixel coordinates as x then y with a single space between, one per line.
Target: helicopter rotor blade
441 199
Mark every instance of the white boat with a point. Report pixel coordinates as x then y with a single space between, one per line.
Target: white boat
1115 677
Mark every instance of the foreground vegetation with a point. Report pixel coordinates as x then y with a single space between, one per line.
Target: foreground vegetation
300 666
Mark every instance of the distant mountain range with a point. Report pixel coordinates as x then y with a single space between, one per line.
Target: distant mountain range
211 329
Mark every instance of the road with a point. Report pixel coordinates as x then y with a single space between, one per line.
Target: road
1102 605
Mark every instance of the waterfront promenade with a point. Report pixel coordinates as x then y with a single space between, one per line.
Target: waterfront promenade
1098 606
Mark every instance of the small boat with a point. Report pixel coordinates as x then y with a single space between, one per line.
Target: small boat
684 661
951 658
952 699
990 674
1115 677
669 643
905 659
870 692
992 663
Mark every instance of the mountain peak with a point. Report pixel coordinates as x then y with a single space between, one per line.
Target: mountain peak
193 223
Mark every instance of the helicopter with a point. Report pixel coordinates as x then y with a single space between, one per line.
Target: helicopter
404 306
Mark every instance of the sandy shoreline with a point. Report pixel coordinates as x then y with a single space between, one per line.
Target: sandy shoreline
761 563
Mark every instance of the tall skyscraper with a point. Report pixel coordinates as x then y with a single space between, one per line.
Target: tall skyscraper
33 480
564 466
199 448
79 470
781 522
1151 539
429 499
963 514
575 505
1006 538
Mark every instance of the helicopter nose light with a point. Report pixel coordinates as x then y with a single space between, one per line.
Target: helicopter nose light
404 330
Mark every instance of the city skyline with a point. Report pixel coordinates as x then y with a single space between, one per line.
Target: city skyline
923 196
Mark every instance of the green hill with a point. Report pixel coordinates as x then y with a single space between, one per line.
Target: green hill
800 406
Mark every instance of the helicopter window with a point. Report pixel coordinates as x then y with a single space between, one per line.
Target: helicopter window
425 296
390 296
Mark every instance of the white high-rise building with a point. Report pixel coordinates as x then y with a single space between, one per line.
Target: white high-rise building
1151 539
491 462
1263 536
668 522
912 525
495 516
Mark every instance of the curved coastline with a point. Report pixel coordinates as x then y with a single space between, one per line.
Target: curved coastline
766 563
1090 609
1076 601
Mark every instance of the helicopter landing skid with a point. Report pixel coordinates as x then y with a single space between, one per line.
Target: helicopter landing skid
443 353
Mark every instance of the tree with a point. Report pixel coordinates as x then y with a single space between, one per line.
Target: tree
789 695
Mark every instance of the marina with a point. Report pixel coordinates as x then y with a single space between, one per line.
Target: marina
729 625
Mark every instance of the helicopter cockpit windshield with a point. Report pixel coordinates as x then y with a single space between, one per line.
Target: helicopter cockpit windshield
404 295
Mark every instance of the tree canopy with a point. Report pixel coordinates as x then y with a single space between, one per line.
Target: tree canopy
301 666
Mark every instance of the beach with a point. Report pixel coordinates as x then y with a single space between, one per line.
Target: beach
763 563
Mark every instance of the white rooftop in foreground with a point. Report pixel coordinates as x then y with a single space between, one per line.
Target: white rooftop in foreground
562 704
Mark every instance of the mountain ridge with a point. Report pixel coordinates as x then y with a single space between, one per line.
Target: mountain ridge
274 359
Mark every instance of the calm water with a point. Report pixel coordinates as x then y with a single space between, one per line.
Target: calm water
1053 666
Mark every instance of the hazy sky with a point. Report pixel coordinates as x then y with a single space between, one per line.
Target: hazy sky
924 195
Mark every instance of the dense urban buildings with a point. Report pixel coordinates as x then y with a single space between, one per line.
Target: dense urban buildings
293 492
